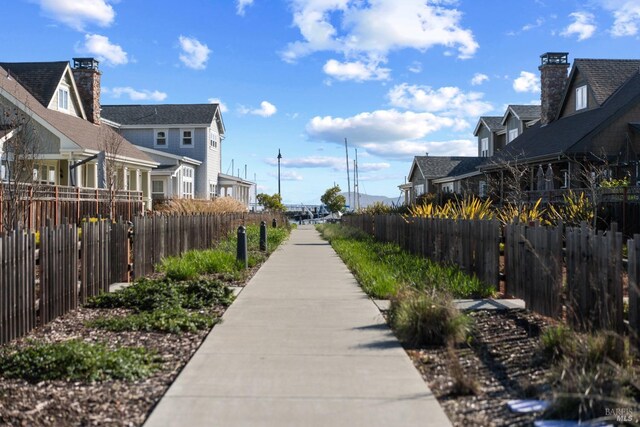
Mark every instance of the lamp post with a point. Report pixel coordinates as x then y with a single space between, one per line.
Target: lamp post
279 157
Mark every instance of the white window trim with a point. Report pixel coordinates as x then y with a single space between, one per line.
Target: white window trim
182 131
482 189
581 98
187 177
166 138
63 91
484 147
513 134
213 142
163 193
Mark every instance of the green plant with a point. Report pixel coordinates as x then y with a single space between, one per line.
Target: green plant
334 201
427 318
175 268
556 342
76 361
522 213
271 203
615 183
172 320
574 210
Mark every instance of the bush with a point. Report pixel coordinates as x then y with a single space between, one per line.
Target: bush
171 320
218 205
421 318
556 342
77 361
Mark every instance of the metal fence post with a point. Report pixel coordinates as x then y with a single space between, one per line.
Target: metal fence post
241 253
263 236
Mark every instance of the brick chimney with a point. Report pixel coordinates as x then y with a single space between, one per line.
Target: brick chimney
553 76
87 77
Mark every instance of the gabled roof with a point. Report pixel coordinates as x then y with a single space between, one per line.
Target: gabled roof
433 167
493 123
605 76
571 135
523 112
81 133
39 78
162 114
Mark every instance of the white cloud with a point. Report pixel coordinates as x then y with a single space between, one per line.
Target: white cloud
241 5
335 163
415 67
136 95
194 53
103 49
375 28
478 79
78 14
358 71
409 149
266 109
377 126
288 175
222 105
537 24
450 101
583 26
626 14
527 82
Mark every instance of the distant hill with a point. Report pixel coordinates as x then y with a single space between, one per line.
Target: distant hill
367 199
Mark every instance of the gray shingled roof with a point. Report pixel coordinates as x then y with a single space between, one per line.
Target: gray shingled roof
81 132
526 112
605 76
572 135
39 78
162 114
494 123
434 167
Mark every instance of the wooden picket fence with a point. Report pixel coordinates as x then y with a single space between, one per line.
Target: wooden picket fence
537 262
39 284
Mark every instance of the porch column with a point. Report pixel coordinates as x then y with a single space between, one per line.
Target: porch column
78 171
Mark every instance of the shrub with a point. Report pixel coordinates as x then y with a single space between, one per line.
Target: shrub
172 320
176 268
574 210
421 318
218 205
522 213
556 342
77 361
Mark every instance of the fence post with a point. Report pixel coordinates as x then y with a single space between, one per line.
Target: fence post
241 253
263 236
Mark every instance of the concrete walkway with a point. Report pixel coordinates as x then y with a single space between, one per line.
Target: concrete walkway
301 346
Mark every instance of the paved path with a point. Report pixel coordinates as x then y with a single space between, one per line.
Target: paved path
301 346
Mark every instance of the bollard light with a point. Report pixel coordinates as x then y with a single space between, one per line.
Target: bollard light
263 236
274 223
241 253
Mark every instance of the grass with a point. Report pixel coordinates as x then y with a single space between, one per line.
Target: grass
427 318
77 361
384 268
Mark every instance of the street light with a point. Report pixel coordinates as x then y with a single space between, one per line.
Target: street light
279 157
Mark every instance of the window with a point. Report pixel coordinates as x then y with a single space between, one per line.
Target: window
187 137
187 182
581 98
47 175
513 134
565 178
212 190
482 189
157 189
213 142
484 147
63 99
419 190
161 138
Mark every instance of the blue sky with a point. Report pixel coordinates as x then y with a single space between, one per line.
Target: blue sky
398 78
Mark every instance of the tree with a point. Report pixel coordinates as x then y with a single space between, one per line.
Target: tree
271 203
334 201
19 165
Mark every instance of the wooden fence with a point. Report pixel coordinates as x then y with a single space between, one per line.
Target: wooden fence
38 284
537 262
36 206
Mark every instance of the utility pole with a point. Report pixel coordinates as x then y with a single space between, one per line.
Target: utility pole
356 180
346 150
279 157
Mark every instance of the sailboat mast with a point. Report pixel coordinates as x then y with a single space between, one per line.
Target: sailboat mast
346 150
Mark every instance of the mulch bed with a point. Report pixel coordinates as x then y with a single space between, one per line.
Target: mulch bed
500 358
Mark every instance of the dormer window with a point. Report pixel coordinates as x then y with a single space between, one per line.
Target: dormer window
513 134
581 98
484 147
63 99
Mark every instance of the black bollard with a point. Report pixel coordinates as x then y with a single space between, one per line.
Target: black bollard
274 223
241 253
263 236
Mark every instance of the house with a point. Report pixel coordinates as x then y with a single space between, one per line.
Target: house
63 105
433 174
588 117
491 134
186 139
518 118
